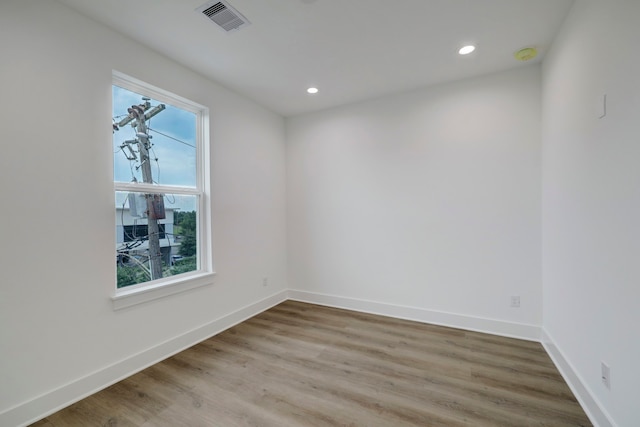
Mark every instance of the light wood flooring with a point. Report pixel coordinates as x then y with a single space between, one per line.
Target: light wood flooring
300 364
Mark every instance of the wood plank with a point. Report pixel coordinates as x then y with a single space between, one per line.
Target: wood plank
300 364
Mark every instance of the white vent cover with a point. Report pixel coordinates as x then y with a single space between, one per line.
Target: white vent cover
225 16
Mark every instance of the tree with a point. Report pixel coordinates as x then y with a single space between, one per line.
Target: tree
188 245
186 230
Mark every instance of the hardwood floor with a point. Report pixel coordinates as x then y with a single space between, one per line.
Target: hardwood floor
300 364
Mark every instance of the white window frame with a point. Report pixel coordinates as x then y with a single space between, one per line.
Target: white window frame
203 275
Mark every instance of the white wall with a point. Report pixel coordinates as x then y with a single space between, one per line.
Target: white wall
57 325
591 204
428 200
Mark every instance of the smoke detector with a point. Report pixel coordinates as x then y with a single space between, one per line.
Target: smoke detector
526 54
223 15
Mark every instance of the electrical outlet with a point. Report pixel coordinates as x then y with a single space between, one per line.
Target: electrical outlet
515 301
606 375
265 281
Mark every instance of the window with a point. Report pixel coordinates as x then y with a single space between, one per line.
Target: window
160 183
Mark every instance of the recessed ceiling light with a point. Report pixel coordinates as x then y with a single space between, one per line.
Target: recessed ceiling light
466 49
312 90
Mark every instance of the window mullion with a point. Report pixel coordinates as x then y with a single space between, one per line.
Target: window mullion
155 189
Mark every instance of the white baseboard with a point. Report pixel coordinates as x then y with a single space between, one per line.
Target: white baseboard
48 403
594 410
470 323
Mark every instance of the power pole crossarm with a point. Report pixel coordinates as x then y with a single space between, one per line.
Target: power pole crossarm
134 113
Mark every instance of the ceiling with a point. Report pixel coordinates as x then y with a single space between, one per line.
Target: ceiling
351 50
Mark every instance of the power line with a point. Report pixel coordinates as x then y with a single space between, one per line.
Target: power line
170 137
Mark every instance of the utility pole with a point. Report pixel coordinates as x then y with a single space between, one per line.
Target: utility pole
137 112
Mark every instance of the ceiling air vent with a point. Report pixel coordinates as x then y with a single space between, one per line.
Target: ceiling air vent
225 16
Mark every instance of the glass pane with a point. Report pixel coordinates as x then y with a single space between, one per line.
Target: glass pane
160 224
168 157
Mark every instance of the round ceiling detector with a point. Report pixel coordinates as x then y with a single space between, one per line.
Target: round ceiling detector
526 54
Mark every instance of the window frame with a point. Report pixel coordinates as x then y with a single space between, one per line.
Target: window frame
204 273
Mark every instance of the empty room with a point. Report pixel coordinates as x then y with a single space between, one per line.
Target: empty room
324 212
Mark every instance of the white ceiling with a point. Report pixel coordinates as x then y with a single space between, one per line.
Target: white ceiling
352 50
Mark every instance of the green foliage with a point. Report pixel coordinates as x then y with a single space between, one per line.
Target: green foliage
184 265
186 227
185 220
188 244
128 276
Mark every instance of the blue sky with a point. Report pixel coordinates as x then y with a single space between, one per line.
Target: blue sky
173 133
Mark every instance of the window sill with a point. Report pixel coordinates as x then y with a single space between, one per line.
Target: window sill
129 297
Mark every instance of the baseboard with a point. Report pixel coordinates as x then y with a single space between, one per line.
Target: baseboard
471 323
594 410
48 403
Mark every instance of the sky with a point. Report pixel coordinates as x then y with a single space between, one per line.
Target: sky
173 139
